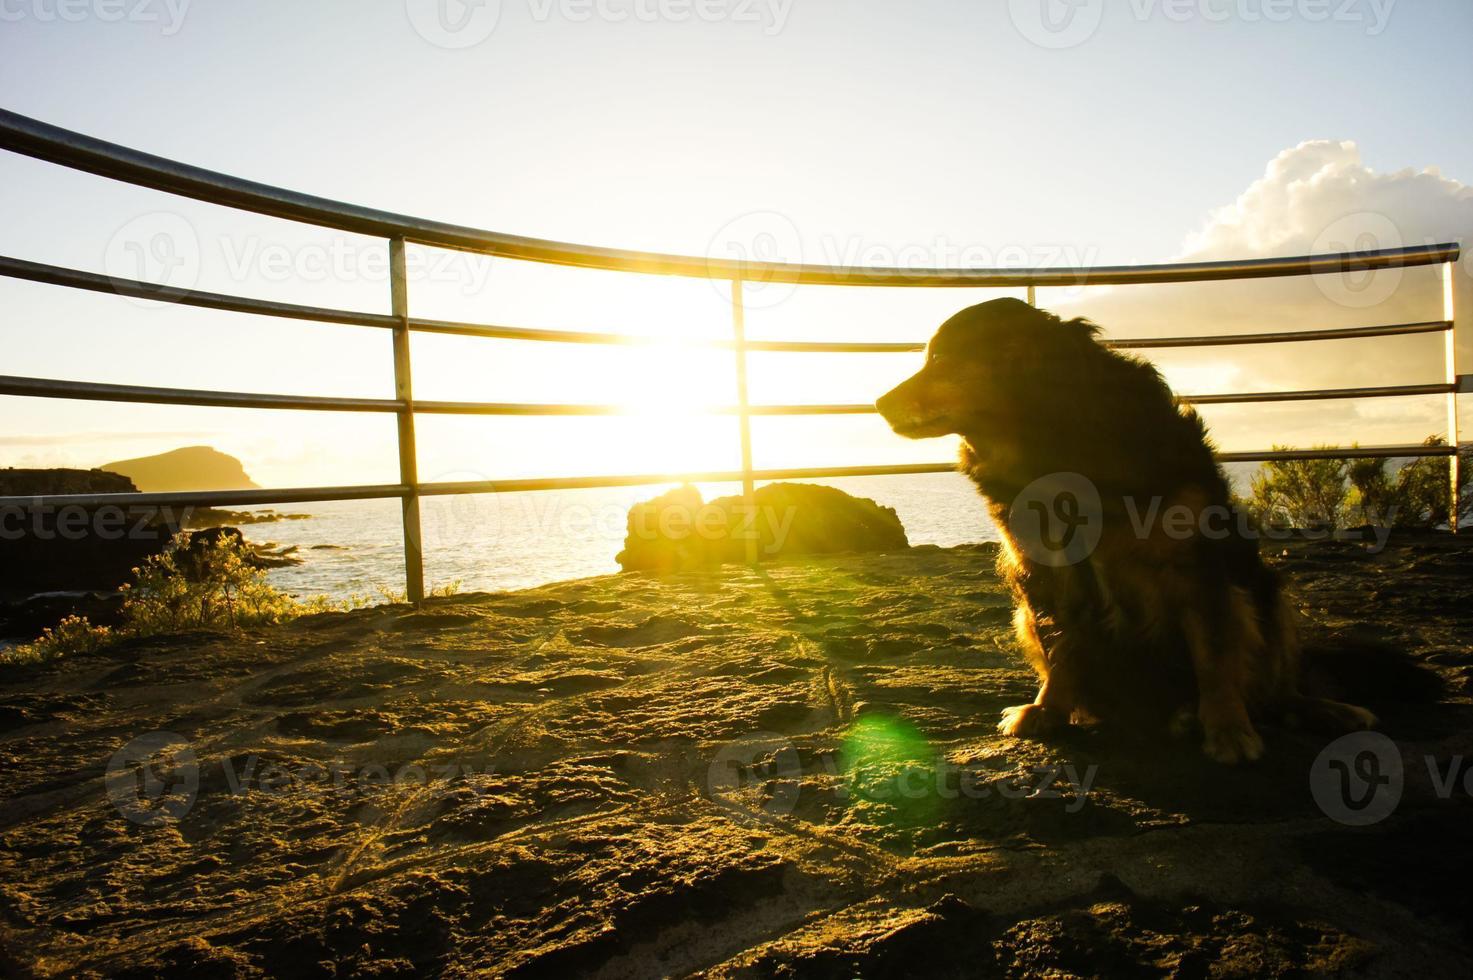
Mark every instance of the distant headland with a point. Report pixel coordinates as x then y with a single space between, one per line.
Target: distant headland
190 468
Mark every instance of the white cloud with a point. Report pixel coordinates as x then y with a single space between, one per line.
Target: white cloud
1316 197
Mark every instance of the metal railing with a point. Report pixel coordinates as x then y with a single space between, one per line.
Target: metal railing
45 142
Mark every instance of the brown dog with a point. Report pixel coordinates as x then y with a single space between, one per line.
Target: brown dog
1140 593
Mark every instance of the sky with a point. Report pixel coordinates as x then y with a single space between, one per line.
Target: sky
1021 133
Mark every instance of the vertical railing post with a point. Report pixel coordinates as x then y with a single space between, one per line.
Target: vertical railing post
744 417
1032 295
1450 359
414 564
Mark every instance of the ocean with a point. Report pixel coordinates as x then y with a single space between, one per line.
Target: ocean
505 541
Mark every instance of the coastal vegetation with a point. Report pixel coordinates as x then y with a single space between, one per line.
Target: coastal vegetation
1331 494
216 584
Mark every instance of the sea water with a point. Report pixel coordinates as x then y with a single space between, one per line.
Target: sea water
502 541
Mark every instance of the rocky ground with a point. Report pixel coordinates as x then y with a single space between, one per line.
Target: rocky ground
785 772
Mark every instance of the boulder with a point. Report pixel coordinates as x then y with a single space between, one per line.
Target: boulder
35 483
75 548
678 530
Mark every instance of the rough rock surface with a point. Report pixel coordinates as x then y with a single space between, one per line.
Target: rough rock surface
72 549
31 483
583 789
678 531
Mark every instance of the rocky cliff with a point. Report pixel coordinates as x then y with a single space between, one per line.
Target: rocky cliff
191 468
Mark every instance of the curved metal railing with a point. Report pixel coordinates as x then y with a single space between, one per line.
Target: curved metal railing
42 141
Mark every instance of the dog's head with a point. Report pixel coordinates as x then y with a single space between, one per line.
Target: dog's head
989 368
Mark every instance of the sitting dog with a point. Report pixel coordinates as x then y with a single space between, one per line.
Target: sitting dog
1159 610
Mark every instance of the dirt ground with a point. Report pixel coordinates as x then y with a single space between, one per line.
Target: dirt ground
785 772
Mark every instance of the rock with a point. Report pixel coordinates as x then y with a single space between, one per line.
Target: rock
35 483
24 619
678 530
191 559
662 533
207 517
75 548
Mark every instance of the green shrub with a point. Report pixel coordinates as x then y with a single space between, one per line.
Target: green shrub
215 587
1324 494
73 635
1305 493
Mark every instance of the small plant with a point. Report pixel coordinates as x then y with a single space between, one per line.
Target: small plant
214 586
73 635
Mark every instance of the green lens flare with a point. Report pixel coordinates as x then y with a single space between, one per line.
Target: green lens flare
891 770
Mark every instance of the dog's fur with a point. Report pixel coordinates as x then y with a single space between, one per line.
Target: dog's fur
1152 628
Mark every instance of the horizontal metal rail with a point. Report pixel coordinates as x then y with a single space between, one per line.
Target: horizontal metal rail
77 279
1282 336
204 498
248 498
94 391
495 332
91 391
646 479
56 275
1336 452
1323 394
33 138
905 347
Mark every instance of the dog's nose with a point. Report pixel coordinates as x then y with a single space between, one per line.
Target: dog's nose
883 403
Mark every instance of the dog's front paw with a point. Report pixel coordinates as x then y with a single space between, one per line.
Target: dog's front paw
1231 744
1029 721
